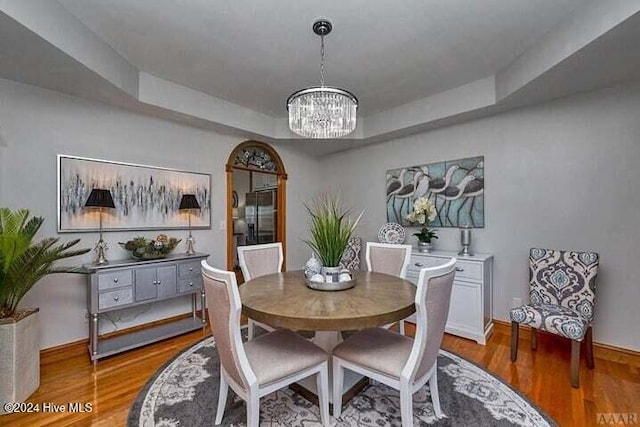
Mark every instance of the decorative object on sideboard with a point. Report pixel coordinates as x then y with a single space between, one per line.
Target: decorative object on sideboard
189 204
331 228
144 249
322 111
456 188
423 212
100 199
391 232
24 263
465 241
145 197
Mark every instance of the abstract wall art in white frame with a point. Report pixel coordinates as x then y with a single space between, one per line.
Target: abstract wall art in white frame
146 197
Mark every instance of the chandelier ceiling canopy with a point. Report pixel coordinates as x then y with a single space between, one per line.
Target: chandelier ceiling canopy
322 111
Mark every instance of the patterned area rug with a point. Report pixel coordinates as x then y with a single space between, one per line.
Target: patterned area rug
185 391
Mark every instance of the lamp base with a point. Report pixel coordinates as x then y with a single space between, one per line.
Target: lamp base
190 243
100 249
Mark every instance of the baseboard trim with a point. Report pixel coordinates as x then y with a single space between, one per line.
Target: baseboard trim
604 351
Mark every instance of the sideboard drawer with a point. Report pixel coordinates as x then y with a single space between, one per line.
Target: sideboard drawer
469 270
419 262
115 279
115 298
190 284
189 269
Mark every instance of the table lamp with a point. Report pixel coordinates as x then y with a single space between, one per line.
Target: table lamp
189 203
100 199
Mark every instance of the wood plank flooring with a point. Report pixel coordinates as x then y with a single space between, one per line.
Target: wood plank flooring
543 376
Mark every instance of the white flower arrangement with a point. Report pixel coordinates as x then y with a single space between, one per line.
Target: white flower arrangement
424 211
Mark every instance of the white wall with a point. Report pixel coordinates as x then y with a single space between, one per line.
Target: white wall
39 124
558 175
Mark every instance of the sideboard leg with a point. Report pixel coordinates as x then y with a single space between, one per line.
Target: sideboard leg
93 336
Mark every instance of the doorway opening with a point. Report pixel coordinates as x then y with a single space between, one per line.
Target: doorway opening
256 199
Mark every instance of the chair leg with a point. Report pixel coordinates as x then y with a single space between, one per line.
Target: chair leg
534 339
253 411
402 327
222 399
322 382
515 329
435 395
406 406
575 363
338 377
589 344
251 330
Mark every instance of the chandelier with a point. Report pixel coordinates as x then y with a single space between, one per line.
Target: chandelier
322 111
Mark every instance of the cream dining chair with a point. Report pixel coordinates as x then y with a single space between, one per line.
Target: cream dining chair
263 365
398 361
389 259
256 261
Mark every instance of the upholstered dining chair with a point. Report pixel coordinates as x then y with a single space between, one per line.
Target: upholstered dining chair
391 259
562 287
263 365
256 261
398 361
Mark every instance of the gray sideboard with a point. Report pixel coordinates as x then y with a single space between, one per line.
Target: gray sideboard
128 283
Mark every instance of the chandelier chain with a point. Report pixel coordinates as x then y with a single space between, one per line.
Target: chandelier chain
322 60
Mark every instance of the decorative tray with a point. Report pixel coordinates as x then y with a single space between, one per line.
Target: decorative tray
142 248
331 286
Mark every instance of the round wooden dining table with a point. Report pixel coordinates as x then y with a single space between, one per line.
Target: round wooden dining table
283 300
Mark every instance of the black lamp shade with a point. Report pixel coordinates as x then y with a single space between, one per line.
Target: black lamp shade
189 201
100 199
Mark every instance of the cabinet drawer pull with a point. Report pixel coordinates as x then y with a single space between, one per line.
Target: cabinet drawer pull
191 269
190 283
155 282
459 269
159 282
115 280
116 298
419 264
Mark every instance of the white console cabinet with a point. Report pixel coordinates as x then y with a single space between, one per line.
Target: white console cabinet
471 309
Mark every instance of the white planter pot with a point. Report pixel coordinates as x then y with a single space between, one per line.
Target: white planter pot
19 359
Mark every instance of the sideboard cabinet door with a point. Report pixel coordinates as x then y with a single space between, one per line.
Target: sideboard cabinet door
146 287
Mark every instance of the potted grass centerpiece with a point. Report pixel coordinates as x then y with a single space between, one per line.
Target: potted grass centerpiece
331 227
22 264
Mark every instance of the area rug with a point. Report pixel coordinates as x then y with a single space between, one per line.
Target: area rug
185 391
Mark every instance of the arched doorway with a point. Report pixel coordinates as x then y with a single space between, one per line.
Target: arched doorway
256 199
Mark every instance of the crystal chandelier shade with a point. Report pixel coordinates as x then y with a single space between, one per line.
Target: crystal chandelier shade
322 111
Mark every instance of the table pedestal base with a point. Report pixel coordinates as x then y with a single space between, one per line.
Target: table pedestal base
353 382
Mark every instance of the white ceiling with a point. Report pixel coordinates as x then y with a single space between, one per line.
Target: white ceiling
256 53
230 65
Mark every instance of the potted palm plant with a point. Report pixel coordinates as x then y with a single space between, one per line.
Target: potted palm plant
331 227
22 264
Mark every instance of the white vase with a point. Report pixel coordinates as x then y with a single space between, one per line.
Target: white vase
331 274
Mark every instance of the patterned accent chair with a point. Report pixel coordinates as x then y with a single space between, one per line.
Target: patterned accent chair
351 257
562 287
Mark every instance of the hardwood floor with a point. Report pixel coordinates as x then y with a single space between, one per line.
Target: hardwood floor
613 387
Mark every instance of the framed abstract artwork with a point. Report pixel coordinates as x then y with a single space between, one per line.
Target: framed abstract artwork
456 188
145 197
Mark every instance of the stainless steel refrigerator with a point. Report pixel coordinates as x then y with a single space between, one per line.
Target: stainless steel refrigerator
260 215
